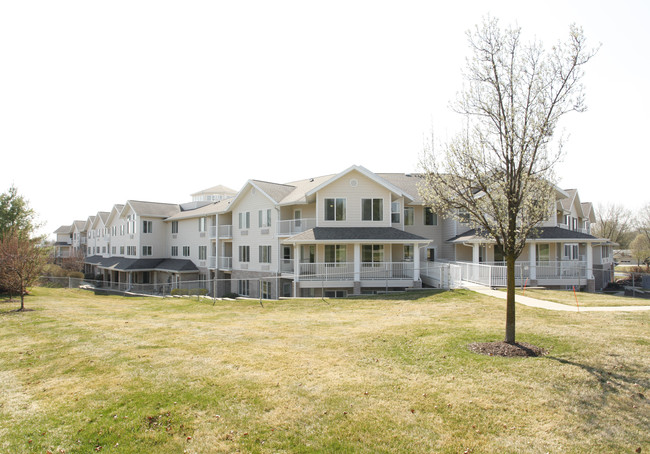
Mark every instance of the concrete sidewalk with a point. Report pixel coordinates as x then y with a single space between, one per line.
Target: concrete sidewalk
533 302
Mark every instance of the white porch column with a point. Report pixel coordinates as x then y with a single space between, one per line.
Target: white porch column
357 262
533 260
590 261
475 253
416 262
296 263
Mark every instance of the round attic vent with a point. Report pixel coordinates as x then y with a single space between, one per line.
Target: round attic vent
354 183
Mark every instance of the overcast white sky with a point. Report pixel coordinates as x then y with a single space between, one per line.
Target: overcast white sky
101 102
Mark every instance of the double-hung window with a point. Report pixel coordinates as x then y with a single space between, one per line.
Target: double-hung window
372 253
202 224
174 251
335 253
147 226
265 254
430 218
244 220
146 251
409 215
395 212
203 252
571 252
264 218
174 226
372 209
244 254
186 251
335 209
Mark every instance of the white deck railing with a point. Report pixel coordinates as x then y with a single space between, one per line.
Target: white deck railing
225 231
225 263
212 262
295 226
345 271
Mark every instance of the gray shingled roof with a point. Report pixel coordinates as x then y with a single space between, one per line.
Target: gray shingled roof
154 209
218 189
127 264
354 234
274 190
63 229
545 233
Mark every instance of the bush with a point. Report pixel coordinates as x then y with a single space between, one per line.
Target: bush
186 291
231 295
53 270
76 274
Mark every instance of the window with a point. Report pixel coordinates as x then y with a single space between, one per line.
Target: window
543 252
575 224
266 289
243 287
409 215
336 293
264 218
103 249
245 220
174 226
335 253
147 226
408 252
571 252
498 253
146 251
122 230
463 217
372 209
203 252
265 254
114 250
202 224
335 209
244 253
430 218
130 250
604 252
482 253
308 253
174 251
395 211
186 251
372 253
121 250
431 254
567 221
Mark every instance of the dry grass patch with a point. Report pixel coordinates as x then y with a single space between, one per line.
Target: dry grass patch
135 375
584 299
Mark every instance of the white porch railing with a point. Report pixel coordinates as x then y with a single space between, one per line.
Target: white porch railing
212 262
213 232
565 270
295 226
345 271
225 263
327 271
287 265
225 231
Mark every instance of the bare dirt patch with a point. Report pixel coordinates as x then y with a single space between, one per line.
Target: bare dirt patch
518 349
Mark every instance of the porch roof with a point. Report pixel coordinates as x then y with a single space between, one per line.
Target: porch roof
356 234
127 264
543 234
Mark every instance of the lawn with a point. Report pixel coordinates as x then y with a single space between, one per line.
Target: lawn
584 299
85 374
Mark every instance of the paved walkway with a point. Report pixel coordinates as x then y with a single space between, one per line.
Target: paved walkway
533 302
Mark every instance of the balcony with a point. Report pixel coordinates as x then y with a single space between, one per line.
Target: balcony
225 263
294 226
212 262
225 231
380 271
213 232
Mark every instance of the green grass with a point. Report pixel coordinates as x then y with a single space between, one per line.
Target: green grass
391 374
584 299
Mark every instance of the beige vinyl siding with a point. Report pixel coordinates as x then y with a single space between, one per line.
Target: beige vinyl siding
436 233
365 189
253 201
188 235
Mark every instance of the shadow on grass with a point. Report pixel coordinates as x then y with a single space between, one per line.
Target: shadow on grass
411 295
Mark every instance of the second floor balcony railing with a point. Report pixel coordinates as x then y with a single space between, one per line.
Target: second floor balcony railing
225 263
212 262
225 231
213 232
345 271
294 226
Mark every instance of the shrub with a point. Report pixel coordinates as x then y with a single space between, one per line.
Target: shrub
231 295
76 274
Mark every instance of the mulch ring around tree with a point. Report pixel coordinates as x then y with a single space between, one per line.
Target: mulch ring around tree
518 349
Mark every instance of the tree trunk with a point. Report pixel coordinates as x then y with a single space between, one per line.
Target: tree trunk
510 301
22 296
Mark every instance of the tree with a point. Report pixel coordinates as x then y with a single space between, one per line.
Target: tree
21 262
499 169
16 214
640 248
614 222
643 221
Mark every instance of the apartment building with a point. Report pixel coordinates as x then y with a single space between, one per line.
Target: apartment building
333 235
